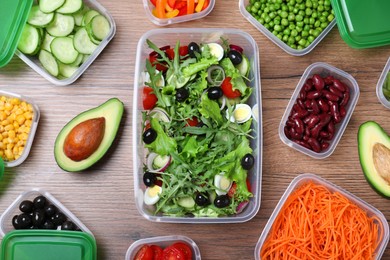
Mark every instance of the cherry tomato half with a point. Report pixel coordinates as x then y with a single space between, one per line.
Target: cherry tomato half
183 51
157 252
149 99
192 121
145 253
184 248
172 253
227 89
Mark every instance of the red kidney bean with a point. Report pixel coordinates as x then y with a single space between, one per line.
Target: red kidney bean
308 103
331 128
324 119
299 127
315 131
300 103
315 108
290 122
306 137
302 94
334 111
314 144
307 87
324 145
303 143
324 134
342 111
309 81
313 94
318 82
323 105
335 91
328 80
345 99
339 85
329 95
294 134
287 132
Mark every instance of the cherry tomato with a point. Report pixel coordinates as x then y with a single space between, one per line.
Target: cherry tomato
248 185
227 89
192 121
183 51
158 65
145 253
185 249
232 190
157 252
149 99
172 253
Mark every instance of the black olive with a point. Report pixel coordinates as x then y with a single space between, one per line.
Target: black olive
201 199
193 48
26 206
214 93
68 225
15 222
38 217
149 136
50 210
24 221
235 57
58 218
222 201
49 225
182 94
40 202
149 179
247 161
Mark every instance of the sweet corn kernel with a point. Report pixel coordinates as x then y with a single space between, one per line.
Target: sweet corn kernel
20 119
11 133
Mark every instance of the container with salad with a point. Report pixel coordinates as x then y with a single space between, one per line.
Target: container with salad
383 86
197 126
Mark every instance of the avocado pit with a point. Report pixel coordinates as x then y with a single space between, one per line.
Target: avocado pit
381 158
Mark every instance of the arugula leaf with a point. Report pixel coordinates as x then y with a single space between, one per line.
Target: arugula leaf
163 145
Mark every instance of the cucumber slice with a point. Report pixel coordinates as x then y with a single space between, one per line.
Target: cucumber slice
49 62
62 25
244 66
99 27
49 6
63 50
78 16
46 42
39 18
70 7
78 61
186 202
30 40
88 17
82 43
66 70
160 161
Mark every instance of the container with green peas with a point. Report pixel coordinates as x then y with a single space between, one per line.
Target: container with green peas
296 26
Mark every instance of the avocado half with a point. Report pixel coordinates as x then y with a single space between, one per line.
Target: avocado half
374 156
112 111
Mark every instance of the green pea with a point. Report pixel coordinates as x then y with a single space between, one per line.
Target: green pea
285 38
314 15
294 33
278 28
291 26
310 39
284 14
308 11
330 17
299 47
271 24
323 19
312 20
302 42
300 24
280 36
324 25
291 17
248 8
287 31
272 15
309 4
306 20
316 32
267 19
320 8
261 20
317 23
291 40
257 5
297 38
305 34
284 22
306 28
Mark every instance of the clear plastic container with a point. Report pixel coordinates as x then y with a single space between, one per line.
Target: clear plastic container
13 209
307 177
162 37
276 40
323 70
163 242
34 63
381 82
179 19
33 128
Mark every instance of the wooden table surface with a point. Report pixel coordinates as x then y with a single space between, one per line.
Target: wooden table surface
103 197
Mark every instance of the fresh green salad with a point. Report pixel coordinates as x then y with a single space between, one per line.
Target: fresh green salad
197 129
386 86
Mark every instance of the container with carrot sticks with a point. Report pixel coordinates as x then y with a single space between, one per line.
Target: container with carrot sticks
317 220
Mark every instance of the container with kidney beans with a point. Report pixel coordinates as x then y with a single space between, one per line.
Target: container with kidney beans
38 209
319 110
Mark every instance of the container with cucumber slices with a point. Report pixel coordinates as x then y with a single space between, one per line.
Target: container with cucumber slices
59 39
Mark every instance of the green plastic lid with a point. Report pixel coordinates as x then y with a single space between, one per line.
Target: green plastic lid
48 245
13 17
363 24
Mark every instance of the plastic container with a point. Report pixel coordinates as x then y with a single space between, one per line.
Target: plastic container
178 19
162 37
363 26
323 70
276 40
163 242
48 245
34 63
381 82
33 128
307 177
13 209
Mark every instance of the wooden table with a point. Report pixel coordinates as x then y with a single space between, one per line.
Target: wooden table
102 197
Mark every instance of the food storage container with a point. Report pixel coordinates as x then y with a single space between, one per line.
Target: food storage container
363 26
323 70
302 179
18 21
163 37
33 128
276 40
163 242
48 245
384 85
6 218
178 19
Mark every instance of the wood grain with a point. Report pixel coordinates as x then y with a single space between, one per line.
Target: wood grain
102 197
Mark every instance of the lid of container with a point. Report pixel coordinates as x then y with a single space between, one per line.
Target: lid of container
48 245
363 25
13 17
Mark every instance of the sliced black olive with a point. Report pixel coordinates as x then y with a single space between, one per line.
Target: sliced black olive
68 225
193 48
149 179
182 94
50 210
235 57
247 161
24 221
222 201
26 206
49 225
149 136
39 202
214 93
58 218
201 199
38 217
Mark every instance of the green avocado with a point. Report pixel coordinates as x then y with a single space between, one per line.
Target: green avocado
374 155
112 111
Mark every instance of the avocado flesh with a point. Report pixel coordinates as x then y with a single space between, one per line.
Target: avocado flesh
112 111
374 155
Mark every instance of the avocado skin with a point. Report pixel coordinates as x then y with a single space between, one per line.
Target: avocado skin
112 110
369 134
